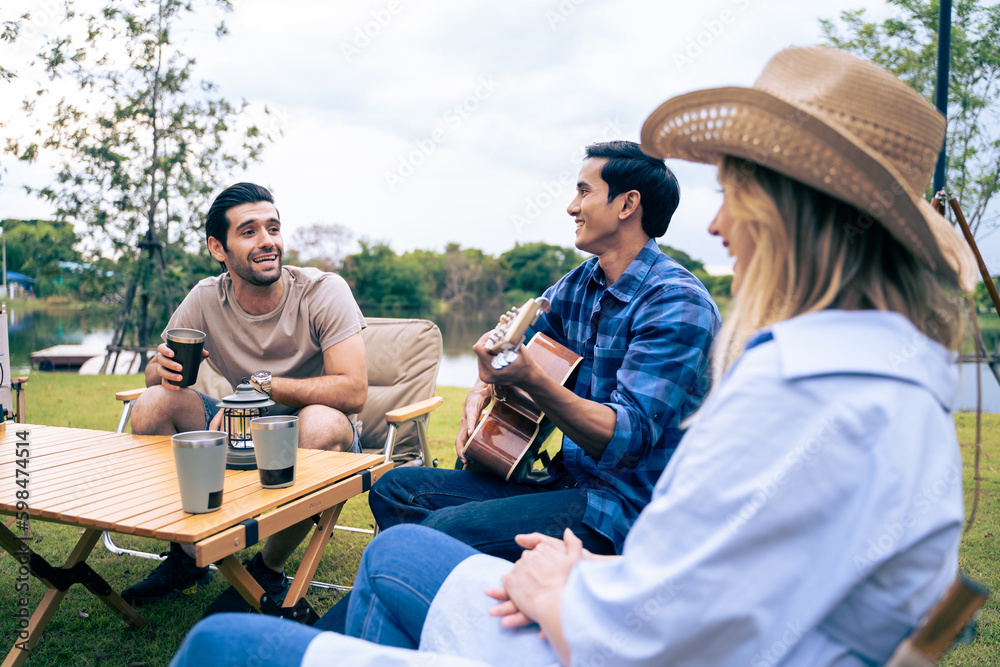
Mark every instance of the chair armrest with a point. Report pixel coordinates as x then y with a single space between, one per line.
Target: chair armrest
413 410
129 395
949 617
942 625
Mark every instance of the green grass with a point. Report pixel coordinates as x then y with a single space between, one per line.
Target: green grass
63 399
85 632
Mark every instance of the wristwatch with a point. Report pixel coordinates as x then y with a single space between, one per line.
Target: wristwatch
261 381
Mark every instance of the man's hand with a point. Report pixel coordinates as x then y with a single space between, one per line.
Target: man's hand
522 372
474 404
165 368
216 423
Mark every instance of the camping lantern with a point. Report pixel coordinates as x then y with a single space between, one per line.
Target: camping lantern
238 409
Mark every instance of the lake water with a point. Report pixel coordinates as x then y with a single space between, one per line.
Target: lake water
36 330
30 331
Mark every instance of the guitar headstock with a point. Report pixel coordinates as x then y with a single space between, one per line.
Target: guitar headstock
509 332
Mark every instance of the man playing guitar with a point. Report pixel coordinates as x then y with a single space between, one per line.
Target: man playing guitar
643 326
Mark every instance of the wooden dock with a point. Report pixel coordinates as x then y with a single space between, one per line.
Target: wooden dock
63 357
86 360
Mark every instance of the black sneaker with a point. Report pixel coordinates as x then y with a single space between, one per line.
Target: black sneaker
275 584
174 575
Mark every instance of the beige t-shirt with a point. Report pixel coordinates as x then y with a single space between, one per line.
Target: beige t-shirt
317 311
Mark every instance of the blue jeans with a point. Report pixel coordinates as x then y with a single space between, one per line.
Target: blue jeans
483 510
401 572
244 640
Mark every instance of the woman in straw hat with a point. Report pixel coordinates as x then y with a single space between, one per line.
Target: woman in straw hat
812 512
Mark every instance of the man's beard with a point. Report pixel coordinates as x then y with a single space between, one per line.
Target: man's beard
246 271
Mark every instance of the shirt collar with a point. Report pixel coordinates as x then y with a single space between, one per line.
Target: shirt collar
625 288
868 342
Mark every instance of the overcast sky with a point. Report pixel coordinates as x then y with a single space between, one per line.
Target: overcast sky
425 122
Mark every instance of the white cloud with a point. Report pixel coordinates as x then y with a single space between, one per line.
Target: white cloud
565 72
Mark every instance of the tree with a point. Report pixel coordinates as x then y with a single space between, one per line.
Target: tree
384 282
103 281
434 267
39 248
8 33
906 45
323 245
138 147
141 145
473 279
534 267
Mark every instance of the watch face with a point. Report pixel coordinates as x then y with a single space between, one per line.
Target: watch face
261 381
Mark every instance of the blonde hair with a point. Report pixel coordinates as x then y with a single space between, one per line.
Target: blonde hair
815 252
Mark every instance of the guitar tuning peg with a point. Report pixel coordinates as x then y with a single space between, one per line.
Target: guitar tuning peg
543 303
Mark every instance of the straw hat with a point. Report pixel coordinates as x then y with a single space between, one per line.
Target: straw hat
837 123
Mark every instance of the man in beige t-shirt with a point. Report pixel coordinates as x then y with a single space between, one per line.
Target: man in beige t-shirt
296 331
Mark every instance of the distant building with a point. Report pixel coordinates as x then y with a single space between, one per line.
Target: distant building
20 286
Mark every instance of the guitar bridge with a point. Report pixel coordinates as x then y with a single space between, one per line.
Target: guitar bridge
499 392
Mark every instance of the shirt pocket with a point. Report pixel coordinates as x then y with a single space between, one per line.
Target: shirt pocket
607 361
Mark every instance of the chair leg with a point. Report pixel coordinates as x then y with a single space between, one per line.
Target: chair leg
349 529
425 452
424 444
118 551
126 413
122 551
390 442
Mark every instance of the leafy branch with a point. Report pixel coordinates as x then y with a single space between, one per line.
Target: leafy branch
906 45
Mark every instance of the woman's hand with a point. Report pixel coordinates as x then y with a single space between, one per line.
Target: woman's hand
532 589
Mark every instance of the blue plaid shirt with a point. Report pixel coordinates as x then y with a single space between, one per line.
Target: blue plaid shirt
645 344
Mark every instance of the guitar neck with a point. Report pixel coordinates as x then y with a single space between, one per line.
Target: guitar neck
510 331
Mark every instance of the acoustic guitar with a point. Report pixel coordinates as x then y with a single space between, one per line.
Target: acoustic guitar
506 438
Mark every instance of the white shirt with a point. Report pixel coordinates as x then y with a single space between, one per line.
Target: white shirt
813 511
809 517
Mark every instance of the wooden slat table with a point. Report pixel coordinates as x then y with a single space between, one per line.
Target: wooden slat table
127 484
